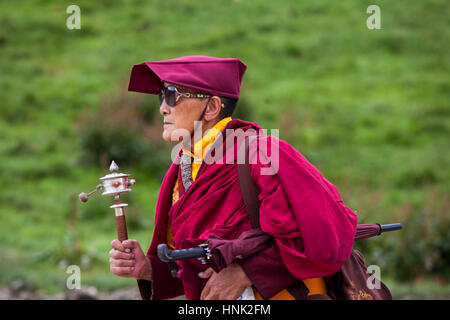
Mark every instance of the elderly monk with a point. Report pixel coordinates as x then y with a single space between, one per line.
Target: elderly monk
312 228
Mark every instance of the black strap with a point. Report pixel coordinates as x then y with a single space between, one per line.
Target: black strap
248 188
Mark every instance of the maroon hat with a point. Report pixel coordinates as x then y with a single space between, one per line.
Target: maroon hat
216 76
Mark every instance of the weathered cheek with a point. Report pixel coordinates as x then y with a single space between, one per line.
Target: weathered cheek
183 121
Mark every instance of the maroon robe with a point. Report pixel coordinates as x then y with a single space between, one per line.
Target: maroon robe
303 211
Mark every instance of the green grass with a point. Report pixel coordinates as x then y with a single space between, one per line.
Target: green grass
423 289
369 108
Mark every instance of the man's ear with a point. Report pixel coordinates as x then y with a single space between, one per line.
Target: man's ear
213 109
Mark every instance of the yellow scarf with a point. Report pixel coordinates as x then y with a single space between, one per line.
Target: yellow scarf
201 147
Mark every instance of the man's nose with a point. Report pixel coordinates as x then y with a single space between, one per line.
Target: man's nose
164 108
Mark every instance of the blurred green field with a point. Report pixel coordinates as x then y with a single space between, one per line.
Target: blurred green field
369 108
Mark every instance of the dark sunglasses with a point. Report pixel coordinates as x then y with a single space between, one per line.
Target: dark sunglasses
171 95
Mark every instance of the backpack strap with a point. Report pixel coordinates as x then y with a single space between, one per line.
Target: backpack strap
248 188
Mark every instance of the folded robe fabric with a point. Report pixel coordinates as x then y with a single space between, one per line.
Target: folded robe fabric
312 227
303 211
224 252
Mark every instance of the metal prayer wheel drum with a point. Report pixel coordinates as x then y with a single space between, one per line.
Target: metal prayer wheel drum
114 184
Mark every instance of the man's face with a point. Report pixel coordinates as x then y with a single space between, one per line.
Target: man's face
179 119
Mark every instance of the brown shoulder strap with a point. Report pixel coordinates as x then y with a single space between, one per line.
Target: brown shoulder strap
248 189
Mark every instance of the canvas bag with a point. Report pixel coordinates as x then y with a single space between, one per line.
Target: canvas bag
351 282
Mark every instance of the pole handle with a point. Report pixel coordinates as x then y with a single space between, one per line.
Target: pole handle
121 228
390 227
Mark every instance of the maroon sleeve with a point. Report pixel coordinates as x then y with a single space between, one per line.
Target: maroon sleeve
267 272
163 286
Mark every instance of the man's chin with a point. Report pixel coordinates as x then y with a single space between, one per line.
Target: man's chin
166 136
176 135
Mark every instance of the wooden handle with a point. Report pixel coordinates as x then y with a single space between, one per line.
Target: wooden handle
121 228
